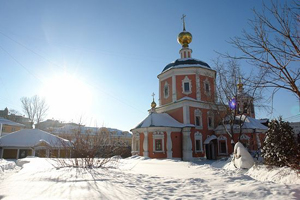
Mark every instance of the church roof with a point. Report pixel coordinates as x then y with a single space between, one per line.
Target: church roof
32 137
8 122
186 62
249 123
160 120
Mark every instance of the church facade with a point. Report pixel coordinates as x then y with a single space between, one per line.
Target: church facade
183 125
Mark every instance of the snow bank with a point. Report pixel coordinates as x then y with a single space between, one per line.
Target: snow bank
276 174
6 165
140 178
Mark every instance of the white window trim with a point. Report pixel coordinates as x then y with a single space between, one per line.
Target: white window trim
245 137
159 135
168 87
222 138
210 114
198 136
186 80
206 81
198 113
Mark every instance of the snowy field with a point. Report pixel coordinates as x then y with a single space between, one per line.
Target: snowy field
140 178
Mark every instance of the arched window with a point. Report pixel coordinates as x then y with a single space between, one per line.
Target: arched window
198 118
210 120
166 90
186 85
222 145
198 142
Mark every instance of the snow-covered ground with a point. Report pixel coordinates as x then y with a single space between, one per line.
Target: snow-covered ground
140 178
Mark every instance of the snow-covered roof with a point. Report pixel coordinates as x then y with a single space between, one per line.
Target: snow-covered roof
186 98
71 129
161 120
210 138
30 138
186 62
249 123
8 122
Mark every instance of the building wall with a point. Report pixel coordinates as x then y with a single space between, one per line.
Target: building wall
9 129
179 93
176 114
10 153
176 144
152 153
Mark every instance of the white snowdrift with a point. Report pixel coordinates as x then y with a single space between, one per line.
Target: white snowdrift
6 165
139 178
242 158
276 174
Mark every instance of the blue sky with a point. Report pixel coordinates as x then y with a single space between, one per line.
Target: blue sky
106 55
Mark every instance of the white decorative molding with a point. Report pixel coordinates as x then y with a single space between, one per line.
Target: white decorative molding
159 96
198 136
198 92
145 145
186 71
245 137
186 114
184 81
169 145
174 92
187 144
191 103
166 90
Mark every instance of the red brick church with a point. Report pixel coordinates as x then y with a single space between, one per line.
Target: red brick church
184 125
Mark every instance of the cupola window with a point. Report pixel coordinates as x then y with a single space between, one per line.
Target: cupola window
166 90
186 85
206 87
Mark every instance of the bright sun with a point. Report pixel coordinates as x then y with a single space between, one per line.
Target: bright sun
68 97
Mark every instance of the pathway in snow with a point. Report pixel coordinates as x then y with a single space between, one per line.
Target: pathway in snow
138 178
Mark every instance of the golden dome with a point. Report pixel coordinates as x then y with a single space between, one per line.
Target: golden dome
153 104
184 38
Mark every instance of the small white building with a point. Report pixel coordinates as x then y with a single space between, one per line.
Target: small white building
33 142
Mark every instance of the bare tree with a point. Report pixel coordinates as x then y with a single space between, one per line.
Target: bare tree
92 148
35 108
228 77
272 45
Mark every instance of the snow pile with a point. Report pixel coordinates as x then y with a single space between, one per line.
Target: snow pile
6 165
283 175
139 178
242 158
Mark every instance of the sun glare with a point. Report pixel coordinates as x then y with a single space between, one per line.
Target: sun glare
68 97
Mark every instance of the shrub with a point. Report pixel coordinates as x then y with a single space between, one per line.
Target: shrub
280 147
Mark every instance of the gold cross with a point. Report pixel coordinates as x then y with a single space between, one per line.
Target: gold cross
183 16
